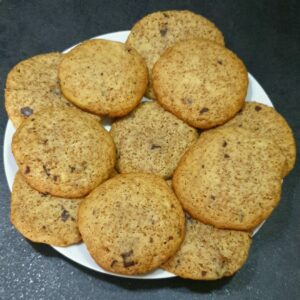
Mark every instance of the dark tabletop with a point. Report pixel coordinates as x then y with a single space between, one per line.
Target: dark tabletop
266 35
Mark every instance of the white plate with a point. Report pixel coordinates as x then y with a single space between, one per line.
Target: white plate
78 253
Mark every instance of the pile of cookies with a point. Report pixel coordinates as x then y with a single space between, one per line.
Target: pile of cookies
180 181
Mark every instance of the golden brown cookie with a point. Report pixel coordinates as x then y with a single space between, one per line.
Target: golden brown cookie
32 85
151 140
63 152
42 218
200 82
231 178
265 121
103 77
158 31
132 223
209 253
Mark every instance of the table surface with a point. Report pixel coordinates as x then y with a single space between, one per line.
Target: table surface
266 35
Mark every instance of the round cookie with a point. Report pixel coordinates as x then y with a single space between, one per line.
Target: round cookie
42 218
160 30
200 82
231 178
151 140
32 85
63 152
132 223
265 121
209 253
103 77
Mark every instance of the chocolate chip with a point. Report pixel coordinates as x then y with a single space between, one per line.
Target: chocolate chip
64 215
257 108
72 169
204 110
202 166
46 170
125 255
170 238
44 194
154 146
220 62
224 144
27 170
113 263
226 155
26 111
127 262
203 273
101 74
163 31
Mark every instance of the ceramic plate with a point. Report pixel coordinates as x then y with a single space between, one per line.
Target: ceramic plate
78 253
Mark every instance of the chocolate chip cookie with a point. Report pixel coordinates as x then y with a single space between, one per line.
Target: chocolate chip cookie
32 85
43 218
63 152
209 253
131 223
200 82
266 121
151 140
230 178
103 77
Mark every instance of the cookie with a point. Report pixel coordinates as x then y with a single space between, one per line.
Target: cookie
200 82
42 218
131 223
160 30
230 178
265 121
63 152
208 253
103 77
151 140
32 85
